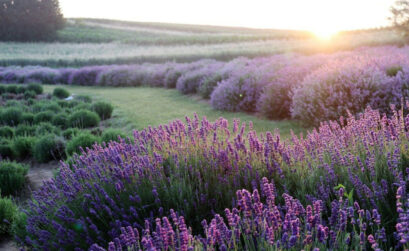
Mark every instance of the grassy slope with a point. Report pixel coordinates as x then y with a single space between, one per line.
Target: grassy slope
138 108
93 41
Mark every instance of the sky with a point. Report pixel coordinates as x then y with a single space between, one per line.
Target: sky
313 15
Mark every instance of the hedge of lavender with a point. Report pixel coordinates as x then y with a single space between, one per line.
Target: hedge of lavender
343 186
311 88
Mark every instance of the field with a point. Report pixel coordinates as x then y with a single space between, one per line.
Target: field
135 108
85 42
192 137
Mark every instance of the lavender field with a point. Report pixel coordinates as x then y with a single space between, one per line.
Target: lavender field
153 136
311 89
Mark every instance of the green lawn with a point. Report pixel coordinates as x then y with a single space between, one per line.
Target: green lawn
140 107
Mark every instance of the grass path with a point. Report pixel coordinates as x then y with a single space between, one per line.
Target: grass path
140 107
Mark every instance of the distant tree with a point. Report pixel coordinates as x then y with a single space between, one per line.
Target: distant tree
29 20
400 16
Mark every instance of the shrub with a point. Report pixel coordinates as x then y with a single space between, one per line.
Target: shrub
37 88
103 109
21 89
11 89
239 93
70 133
11 116
82 140
46 105
83 119
330 93
6 150
85 75
12 177
2 89
46 128
43 117
49 147
6 132
112 135
27 118
60 120
25 130
8 211
22 147
83 98
61 93
29 94
208 85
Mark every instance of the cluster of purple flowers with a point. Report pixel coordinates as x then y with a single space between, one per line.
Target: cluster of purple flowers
348 172
259 223
311 88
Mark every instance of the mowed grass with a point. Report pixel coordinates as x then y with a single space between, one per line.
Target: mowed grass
140 107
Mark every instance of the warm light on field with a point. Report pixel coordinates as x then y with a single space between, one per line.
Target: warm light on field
324 34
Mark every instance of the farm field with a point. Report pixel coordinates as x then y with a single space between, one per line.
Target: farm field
89 44
161 136
135 109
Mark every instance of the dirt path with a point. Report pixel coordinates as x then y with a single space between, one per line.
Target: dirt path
37 174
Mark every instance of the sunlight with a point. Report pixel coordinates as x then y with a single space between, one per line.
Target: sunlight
325 33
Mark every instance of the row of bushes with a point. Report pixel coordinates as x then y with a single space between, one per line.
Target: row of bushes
50 128
310 88
342 187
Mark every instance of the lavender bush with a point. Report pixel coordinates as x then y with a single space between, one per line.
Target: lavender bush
351 169
311 88
259 223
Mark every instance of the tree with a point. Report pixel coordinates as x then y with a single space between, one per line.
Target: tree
29 20
400 16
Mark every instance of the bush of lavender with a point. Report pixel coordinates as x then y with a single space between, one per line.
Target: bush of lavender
336 89
237 93
85 76
260 223
194 168
190 82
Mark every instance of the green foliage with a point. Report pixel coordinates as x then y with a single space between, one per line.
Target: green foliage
46 105
11 116
29 94
8 211
20 89
103 109
6 150
83 98
37 88
27 118
22 147
49 147
2 89
60 120
29 20
11 89
83 119
12 177
393 71
206 89
25 130
82 140
43 117
46 128
70 133
61 93
6 132
112 135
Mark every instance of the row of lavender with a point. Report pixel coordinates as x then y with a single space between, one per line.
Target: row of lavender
342 187
311 88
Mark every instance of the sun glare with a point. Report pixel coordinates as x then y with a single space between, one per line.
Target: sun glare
324 33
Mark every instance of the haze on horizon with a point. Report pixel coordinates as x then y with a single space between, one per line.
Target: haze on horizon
313 15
